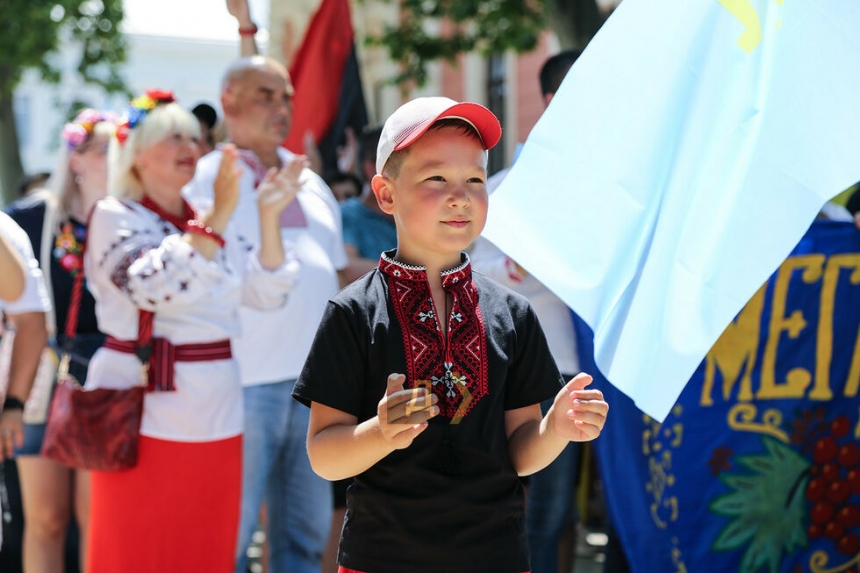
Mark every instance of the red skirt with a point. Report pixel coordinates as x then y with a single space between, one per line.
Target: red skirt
176 510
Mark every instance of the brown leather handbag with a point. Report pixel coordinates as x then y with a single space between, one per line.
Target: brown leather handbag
95 429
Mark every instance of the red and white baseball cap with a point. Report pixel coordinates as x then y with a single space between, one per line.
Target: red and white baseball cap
411 120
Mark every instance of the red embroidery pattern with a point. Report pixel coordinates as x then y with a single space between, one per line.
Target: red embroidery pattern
456 372
119 274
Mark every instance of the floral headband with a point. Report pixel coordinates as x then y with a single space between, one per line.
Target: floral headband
138 108
81 128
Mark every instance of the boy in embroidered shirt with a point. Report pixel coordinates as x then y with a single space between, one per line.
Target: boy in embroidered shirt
425 380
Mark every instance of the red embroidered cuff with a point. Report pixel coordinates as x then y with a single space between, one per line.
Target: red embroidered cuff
200 228
249 31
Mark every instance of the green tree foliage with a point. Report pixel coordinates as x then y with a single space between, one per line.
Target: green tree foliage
488 26
32 33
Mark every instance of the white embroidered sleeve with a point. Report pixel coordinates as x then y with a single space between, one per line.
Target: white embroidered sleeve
153 269
266 289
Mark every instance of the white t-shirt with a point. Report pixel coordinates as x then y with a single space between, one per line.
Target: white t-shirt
136 260
35 297
273 345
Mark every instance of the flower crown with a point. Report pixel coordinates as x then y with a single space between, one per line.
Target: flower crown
81 128
138 108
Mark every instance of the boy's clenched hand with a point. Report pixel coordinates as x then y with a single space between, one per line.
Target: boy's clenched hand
577 414
403 414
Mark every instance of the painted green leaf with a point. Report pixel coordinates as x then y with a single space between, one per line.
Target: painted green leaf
765 505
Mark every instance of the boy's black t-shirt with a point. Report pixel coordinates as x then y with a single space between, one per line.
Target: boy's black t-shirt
451 501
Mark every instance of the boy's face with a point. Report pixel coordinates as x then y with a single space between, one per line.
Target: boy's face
439 198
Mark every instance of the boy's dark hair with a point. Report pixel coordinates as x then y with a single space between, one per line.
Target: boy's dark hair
395 160
554 69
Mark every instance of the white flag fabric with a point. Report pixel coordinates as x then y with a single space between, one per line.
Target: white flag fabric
684 156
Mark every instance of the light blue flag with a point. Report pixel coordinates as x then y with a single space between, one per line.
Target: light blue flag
683 157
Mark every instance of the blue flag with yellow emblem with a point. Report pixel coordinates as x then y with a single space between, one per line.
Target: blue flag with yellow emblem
756 469
683 157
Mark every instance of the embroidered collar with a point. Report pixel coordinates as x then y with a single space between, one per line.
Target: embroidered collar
178 221
251 160
458 275
454 368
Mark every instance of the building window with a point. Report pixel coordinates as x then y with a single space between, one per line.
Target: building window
496 92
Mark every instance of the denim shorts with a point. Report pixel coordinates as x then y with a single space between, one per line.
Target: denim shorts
82 349
33 436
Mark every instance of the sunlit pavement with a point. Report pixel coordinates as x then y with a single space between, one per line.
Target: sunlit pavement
589 553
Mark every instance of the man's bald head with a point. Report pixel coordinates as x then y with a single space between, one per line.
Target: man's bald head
239 71
256 96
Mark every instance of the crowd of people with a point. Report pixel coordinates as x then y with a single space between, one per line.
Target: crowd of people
327 368
231 253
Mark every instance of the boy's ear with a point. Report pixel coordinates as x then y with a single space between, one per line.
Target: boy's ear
383 189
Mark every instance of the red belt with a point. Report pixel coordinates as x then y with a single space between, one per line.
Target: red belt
159 367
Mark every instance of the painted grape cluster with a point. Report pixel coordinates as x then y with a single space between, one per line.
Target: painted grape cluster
833 490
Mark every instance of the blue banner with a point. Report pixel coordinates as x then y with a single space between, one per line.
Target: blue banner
656 194
757 466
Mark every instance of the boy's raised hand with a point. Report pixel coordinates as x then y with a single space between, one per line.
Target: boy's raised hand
403 414
577 414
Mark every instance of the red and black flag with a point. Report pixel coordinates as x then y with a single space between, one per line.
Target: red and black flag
326 78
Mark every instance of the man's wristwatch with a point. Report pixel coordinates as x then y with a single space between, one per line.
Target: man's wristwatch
12 403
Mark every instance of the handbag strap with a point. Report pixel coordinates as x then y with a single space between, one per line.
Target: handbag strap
75 305
49 222
144 335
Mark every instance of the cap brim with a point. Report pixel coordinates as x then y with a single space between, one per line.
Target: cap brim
481 118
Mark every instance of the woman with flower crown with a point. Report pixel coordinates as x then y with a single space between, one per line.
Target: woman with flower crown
154 260
55 219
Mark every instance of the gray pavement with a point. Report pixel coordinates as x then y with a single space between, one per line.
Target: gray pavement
588 564
589 553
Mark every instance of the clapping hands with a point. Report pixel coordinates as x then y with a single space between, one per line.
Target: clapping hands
280 187
225 190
